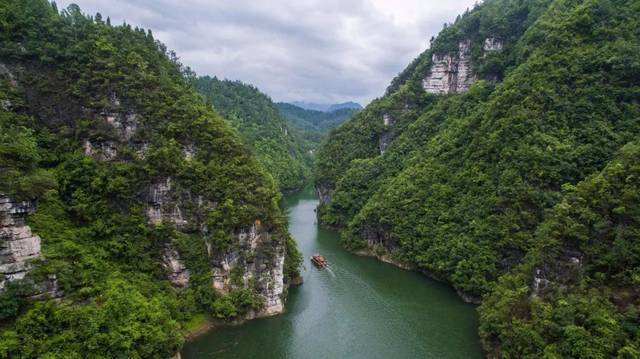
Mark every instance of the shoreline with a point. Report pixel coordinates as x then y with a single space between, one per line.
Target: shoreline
388 258
210 323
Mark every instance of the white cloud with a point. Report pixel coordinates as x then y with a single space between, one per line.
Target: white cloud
295 50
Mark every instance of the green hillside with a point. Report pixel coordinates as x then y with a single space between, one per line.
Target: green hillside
281 151
136 189
459 182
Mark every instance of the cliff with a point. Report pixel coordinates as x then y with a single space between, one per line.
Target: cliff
151 209
18 245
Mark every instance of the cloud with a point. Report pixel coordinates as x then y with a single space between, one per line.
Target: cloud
297 50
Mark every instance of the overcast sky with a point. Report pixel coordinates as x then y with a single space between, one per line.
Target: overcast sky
323 51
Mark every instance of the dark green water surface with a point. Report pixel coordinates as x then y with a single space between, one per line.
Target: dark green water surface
357 308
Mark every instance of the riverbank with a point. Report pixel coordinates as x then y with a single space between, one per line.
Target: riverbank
202 324
384 256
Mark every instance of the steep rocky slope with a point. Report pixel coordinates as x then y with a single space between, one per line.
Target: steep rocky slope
122 195
452 172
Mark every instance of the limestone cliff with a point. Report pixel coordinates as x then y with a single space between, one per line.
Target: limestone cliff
450 73
18 246
453 72
386 135
257 263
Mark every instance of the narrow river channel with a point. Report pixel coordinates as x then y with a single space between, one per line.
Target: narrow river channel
357 308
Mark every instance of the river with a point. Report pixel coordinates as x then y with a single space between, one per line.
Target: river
357 308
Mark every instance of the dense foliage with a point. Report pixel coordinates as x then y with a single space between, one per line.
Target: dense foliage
63 77
463 184
577 294
260 123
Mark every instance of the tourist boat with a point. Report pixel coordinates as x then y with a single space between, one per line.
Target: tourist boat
319 261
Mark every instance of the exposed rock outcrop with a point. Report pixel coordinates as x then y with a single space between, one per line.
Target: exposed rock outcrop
384 141
6 73
160 205
386 136
324 194
450 73
101 150
558 272
125 123
492 44
177 271
258 262
387 120
18 246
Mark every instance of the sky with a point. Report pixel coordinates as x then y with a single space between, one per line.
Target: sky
324 51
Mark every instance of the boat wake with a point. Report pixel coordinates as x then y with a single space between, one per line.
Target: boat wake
328 269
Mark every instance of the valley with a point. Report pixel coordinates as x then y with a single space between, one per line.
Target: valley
498 176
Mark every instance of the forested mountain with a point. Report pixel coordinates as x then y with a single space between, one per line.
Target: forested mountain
281 151
127 205
322 107
314 126
315 121
502 161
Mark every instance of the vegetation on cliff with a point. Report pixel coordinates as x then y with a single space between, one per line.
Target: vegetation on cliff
463 185
91 117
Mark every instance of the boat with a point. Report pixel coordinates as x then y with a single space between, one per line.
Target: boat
319 261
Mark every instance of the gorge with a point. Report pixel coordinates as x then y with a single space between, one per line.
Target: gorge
498 176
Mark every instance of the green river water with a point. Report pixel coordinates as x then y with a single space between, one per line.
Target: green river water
357 308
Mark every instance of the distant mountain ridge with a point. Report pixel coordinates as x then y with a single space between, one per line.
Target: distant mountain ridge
314 120
311 125
327 107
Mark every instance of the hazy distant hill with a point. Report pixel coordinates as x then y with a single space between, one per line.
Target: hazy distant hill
313 120
326 107
313 126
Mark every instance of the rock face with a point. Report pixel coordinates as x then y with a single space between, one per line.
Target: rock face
102 150
450 73
492 44
562 271
160 205
258 262
177 271
123 121
18 246
324 194
386 136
